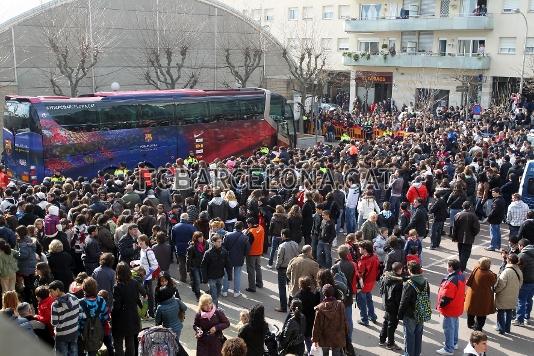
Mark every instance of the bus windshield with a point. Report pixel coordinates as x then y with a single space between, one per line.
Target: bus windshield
17 117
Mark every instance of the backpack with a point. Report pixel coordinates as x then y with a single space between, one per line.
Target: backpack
341 284
423 311
93 331
157 341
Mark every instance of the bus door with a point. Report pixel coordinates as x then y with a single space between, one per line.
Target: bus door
22 142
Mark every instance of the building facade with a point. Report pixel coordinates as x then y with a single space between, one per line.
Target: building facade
447 52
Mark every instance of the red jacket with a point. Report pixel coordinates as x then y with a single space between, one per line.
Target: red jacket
451 295
368 267
44 312
414 193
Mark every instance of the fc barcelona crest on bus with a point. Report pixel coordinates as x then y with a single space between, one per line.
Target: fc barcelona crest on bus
148 136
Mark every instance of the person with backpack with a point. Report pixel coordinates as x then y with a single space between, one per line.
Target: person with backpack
368 269
65 312
93 317
450 304
414 309
171 310
391 292
291 338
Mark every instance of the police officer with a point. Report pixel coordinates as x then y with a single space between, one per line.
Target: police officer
122 170
57 178
191 160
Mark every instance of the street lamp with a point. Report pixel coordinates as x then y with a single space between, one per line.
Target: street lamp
518 11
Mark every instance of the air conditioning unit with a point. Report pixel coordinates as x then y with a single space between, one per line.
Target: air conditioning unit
508 11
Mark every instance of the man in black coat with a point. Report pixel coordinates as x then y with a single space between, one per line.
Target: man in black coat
495 218
91 251
215 261
526 230
391 291
439 210
419 220
466 228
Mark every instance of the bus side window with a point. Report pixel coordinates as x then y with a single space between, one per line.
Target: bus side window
119 117
252 109
224 110
76 120
156 114
191 112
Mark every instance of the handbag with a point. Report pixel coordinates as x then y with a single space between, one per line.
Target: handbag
155 274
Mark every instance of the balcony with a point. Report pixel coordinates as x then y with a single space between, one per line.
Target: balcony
420 60
420 24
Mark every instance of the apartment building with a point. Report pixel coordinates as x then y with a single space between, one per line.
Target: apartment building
456 51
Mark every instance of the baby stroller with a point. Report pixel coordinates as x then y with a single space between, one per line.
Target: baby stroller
159 341
271 342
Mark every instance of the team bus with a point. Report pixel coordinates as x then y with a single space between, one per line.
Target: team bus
80 136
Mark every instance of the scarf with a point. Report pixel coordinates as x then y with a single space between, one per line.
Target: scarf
200 247
208 315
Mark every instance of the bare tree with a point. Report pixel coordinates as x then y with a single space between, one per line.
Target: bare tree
168 52
528 84
76 39
424 88
306 61
243 61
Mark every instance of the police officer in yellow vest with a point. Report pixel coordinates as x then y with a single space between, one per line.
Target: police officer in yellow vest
345 138
122 170
57 178
264 151
191 160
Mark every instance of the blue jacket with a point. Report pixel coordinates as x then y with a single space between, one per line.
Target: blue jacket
26 256
237 245
167 314
8 235
181 235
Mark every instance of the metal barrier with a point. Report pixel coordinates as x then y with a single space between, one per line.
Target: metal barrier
357 133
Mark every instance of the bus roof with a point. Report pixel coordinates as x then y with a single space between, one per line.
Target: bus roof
138 94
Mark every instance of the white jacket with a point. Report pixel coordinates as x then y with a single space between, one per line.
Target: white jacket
352 196
366 207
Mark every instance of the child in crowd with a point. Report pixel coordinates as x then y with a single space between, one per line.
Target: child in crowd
386 218
413 256
108 340
478 344
413 241
75 287
244 319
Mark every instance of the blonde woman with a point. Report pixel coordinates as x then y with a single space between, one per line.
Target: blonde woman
233 210
208 325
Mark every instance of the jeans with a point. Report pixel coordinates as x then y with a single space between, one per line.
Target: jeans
450 329
215 286
395 205
314 243
350 325
464 252
324 254
182 267
274 247
237 280
495 234
69 348
514 230
524 301
339 220
282 288
435 233
452 214
254 272
335 351
195 280
413 337
350 220
388 329
366 306
130 343
504 320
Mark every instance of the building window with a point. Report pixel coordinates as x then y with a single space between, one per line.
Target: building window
369 47
293 13
328 12
343 11
507 45
530 5
510 6
343 44
268 14
370 11
529 47
326 44
307 13
256 15
469 47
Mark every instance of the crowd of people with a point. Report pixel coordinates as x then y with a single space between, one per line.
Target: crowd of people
84 260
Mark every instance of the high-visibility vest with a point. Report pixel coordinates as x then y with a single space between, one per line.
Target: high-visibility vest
59 179
120 171
323 169
190 161
345 137
256 249
264 151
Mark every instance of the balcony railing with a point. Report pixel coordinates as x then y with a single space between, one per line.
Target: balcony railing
431 23
418 60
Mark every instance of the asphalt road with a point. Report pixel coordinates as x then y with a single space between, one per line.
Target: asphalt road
365 339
